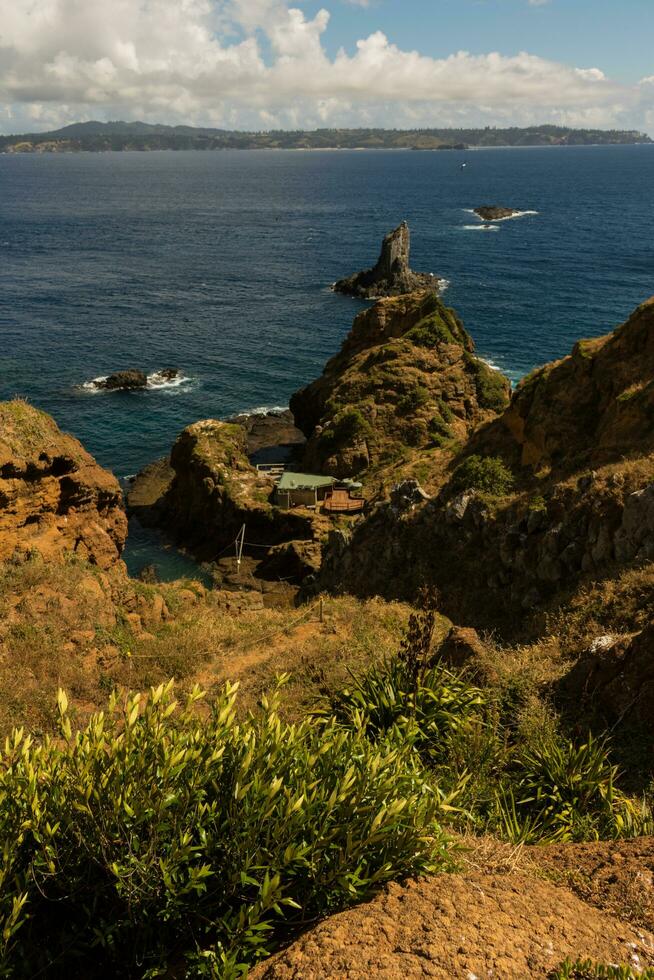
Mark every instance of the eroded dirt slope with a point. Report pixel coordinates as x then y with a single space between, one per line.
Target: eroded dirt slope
473 926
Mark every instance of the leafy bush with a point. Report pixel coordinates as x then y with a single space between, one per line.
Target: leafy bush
445 411
490 385
415 397
486 473
156 830
587 970
350 425
424 713
412 695
559 791
430 332
489 773
439 430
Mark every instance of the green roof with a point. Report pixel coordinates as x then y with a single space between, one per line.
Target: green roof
304 481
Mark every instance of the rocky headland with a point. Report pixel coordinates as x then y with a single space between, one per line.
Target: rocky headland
406 379
54 498
208 490
558 485
392 274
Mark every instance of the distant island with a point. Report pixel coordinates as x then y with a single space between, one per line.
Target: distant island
99 137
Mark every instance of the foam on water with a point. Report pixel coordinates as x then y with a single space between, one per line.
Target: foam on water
156 382
263 410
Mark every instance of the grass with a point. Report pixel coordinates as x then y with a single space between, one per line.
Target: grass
589 970
71 625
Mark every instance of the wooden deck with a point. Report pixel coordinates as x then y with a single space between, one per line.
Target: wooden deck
340 502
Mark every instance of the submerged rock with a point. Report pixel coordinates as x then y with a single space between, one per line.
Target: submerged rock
392 275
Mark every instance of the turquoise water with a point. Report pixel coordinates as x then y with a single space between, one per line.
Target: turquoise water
220 264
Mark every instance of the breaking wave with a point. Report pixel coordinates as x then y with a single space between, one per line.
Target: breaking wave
157 381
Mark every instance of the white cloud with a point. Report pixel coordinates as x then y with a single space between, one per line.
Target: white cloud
261 63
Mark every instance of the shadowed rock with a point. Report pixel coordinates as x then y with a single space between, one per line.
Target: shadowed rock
492 212
392 275
124 381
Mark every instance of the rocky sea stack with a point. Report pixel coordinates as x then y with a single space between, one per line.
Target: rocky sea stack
392 275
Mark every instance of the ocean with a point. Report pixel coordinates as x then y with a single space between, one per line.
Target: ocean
220 263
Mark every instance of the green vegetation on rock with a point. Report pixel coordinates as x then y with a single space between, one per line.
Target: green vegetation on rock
588 970
489 474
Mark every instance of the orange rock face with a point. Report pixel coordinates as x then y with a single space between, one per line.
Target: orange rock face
54 497
597 401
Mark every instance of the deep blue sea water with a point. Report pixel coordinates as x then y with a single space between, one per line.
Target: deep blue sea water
220 264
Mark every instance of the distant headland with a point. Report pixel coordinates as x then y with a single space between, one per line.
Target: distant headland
99 137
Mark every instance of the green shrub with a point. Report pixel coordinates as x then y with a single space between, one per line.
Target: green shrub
486 473
439 430
414 398
424 714
349 426
492 778
445 411
430 332
491 385
155 830
587 970
559 791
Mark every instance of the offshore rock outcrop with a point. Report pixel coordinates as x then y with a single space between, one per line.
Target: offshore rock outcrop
579 442
392 275
493 212
406 377
54 498
129 380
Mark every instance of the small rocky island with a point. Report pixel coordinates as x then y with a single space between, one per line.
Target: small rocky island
392 275
134 380
493 212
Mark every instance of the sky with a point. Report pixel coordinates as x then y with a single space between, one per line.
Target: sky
261 64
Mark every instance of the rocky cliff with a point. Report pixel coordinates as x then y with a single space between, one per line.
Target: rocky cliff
557 487
209 490
392 274
54 498
405 378
592 407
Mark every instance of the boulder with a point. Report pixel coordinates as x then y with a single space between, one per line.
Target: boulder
493 212
462 647
392 275
615 679
129 380
407 495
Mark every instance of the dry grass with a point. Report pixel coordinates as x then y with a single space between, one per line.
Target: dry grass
73 626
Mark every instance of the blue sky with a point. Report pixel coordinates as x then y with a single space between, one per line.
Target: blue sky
258 64
614 35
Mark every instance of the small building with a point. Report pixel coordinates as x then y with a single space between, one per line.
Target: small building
310 490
